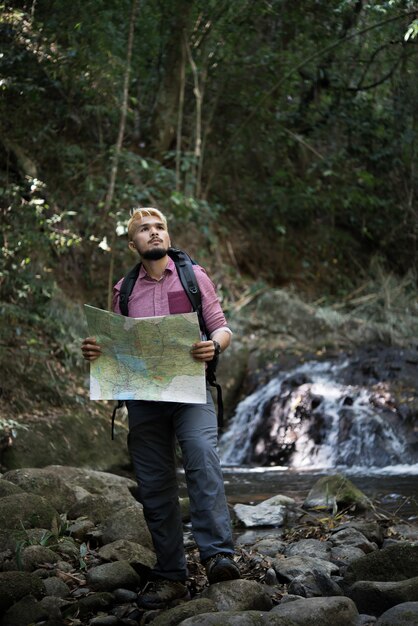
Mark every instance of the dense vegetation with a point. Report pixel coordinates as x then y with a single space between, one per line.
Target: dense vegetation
280 136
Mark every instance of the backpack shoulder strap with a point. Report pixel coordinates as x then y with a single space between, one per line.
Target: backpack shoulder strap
184 266
127 287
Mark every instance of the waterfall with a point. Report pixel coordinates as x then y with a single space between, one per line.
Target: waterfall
306 418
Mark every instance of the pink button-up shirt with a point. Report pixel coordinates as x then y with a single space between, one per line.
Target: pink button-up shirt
150 297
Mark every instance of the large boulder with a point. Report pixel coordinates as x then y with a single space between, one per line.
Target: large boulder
44 482
405 614
73 436
271 512
376 597
319 611
127 523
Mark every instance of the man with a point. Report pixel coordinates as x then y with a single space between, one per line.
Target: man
154 426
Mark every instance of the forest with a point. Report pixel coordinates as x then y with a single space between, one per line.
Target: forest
279 137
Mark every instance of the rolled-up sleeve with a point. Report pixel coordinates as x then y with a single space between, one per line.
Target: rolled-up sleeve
211 307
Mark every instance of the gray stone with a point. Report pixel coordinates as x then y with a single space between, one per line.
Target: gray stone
80 529
238 595
377 597
314 585
238 618
269 546
288 568
56 587
127 523
369 528
405 614
113 575
344 555
320 611
309 547
352 537
27 510
336 492
125 595
184 611
104 620
95 507
95 602
396 562
123 550
271 512
16 585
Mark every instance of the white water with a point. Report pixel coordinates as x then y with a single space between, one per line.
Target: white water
358 433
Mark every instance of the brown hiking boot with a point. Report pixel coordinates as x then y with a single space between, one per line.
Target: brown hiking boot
162 594
221 567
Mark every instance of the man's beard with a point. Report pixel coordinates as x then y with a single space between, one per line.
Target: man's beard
155 254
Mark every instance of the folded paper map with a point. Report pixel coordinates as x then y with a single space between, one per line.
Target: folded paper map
145 358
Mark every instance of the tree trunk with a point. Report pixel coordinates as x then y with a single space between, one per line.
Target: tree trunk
118 148
164 123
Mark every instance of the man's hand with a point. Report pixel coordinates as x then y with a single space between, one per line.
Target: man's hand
90 349
203 351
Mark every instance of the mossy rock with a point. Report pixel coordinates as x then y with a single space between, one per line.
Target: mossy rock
393 563
16 585
336 492
27 510
44 482
8 488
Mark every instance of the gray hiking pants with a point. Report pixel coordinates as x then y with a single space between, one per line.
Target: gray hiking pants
153 429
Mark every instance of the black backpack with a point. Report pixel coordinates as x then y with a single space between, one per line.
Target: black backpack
184 266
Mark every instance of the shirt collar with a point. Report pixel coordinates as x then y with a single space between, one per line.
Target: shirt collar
170 267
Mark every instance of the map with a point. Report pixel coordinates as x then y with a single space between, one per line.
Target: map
145 358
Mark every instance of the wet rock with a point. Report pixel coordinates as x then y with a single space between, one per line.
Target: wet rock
396 562
125 595
336 492
270 577
376 597
238 595
113 575
44 482
289 568
314 585
271 512
187 610
28 511
124 550
16 585
127 523
352 537
319 612
309 547
405 614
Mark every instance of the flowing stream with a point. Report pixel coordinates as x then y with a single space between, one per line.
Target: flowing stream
307 422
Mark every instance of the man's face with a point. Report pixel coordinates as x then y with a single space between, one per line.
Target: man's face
151 238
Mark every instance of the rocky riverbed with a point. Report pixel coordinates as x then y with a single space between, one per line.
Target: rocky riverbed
75 550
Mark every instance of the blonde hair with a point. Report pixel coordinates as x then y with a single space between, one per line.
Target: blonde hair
137 215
